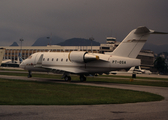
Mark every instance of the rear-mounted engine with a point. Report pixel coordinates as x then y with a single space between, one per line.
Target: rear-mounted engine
81 56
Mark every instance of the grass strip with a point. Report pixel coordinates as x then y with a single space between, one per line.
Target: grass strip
17 92
98 79
128 81
119 76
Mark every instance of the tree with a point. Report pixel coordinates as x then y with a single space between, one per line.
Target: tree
160 65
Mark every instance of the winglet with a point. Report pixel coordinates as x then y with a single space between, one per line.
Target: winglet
155 32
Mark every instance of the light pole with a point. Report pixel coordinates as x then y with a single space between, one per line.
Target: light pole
21 40
91 39
49 39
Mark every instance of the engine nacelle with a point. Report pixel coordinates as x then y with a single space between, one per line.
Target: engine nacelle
81 56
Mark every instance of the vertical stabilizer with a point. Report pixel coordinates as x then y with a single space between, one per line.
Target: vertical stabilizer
133 42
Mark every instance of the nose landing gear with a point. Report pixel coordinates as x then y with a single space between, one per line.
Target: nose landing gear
30 74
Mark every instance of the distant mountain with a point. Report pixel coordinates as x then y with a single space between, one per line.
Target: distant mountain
156 48
44 41
14 44
78 42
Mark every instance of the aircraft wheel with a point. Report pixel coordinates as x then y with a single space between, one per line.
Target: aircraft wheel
82 78
67 78
29 75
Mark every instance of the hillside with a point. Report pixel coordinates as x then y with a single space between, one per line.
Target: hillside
44 41
78 42
14 44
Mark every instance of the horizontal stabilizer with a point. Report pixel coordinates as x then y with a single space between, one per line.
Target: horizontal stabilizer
155 32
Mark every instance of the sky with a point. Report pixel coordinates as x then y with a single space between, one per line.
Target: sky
32 19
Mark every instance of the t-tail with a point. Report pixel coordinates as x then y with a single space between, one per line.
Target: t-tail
133 42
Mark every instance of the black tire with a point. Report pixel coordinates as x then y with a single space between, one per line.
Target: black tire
82 78
29 76
67 78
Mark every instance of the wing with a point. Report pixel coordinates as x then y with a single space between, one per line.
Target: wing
65 69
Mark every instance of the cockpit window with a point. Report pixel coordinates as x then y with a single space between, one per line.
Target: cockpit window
29 57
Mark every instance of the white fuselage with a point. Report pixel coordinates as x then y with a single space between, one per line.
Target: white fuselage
60 61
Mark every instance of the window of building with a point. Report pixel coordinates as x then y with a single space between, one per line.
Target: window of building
48 59
62 59
106 48
52 59
43 59
57 59
66 60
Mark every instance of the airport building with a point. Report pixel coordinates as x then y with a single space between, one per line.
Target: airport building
12 52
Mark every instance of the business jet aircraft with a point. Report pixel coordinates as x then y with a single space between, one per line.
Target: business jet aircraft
83 63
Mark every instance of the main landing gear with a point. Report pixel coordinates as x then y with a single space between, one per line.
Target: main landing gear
66 77
82 78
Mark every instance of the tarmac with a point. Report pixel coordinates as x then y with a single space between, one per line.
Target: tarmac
130 111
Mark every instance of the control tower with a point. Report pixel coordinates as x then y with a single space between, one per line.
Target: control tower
111 40
110 45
